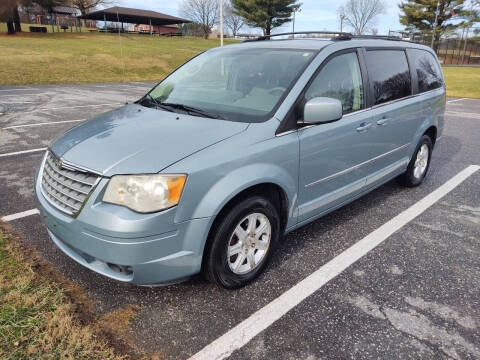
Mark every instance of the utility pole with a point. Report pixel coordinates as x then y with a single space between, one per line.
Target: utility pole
465 46
437 12
221 22
342 17
293 22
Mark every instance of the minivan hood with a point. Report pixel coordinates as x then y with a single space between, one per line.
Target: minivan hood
135 139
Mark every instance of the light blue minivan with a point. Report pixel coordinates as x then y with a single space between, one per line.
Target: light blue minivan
235 148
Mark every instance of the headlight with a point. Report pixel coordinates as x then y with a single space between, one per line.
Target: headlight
145 193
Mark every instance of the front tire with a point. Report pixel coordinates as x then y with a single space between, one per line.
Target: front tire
418 167
242 243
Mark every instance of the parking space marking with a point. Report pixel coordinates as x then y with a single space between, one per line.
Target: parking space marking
40 124
20 215
241 334
2 96
72 107
22 152
24 89
455 100
463 114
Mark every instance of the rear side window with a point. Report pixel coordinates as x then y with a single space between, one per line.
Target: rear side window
340 79
389 74
428 72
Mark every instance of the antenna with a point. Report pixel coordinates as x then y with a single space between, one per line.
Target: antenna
121 56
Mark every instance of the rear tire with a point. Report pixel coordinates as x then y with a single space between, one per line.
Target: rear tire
419 164
242 243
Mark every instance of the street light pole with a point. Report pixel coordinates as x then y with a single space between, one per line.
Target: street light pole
437 12
293 30
342 17
293 22
221 22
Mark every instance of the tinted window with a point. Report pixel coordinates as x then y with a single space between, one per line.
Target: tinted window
428 72
340 79
389 74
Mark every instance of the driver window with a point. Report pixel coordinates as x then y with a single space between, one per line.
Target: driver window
340 79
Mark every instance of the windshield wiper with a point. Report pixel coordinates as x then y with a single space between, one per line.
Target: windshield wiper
192 110
157 104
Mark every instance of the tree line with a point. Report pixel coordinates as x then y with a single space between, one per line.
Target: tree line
428 17
435 18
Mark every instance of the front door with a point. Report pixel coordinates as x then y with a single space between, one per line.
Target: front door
332 155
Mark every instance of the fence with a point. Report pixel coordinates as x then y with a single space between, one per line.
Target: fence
457 51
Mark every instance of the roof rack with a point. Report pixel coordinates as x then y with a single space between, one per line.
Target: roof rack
336 34
380 37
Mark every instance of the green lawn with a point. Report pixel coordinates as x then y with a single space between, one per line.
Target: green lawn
32 58
462 81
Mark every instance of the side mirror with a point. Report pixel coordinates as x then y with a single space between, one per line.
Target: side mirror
321 110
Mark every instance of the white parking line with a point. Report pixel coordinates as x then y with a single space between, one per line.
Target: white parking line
22 152
17 89
463 114
17 95
266 316
76 106
72 107
455 100
40 124
20 215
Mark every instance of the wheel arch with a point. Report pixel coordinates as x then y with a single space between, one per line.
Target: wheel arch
432 133
273 191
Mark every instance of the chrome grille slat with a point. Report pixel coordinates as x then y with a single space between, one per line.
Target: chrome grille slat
65 174
66 188
50 182
59 199
49 172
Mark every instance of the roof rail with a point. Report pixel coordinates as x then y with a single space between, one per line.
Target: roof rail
336 34
380 37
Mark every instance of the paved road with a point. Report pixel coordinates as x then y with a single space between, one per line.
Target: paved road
415 295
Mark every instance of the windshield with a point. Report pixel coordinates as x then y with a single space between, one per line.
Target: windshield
233 84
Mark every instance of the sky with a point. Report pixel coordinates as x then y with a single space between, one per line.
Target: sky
315 14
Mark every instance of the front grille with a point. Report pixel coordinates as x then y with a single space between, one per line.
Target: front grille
67 189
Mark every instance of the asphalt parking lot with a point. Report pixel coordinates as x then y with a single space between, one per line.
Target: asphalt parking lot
415 295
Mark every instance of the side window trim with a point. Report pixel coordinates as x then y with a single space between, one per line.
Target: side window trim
326 61
285 126
370 82
367 85
413 72
411 57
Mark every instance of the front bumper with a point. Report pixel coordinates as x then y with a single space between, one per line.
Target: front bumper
114 241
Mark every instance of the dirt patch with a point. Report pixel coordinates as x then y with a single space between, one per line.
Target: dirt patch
44 313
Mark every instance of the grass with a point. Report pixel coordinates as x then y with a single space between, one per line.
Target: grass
462 81
44 316
31 58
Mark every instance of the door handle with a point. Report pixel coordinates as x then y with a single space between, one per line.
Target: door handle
383 121
364 127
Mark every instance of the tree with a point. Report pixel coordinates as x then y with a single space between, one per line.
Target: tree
233 22
419 15
361 14
266 14
204 12
86 6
